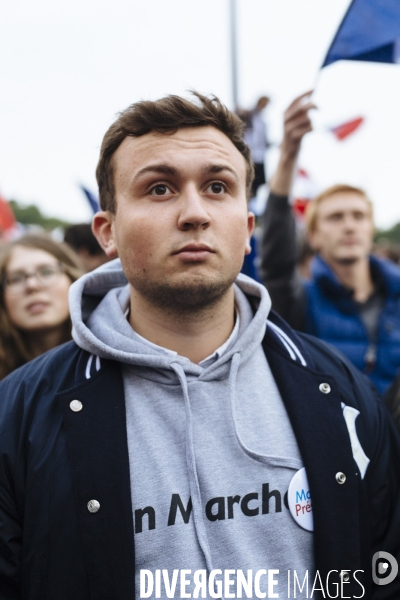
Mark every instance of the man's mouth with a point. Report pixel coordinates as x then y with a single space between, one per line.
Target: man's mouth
350 242
194 252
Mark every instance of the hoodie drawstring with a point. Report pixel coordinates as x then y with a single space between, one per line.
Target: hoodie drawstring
232 395
194 486
190 456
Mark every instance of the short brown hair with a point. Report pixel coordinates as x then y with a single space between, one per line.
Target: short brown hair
166 116
312 207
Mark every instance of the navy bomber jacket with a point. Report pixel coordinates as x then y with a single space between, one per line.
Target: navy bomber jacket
53 461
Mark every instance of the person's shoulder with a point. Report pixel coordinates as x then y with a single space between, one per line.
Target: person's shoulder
389 271
356 388
328 358
322 352
54 370
53 359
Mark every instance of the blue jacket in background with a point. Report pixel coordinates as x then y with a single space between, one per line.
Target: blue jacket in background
324 307
333 315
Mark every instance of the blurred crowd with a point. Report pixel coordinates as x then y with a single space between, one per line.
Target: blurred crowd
323 271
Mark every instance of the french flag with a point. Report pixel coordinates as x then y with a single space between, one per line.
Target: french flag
342 131
91 198
370 31
304 190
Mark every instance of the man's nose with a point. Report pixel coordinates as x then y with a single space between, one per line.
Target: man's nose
193 210
350 222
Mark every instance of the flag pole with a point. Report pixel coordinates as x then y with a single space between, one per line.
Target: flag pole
234 61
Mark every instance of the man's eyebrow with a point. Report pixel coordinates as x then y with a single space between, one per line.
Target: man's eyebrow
160 168
168 170
213 168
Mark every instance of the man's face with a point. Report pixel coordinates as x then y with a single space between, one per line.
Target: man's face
344 228
181 227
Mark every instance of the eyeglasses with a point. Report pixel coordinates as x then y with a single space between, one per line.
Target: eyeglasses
45 275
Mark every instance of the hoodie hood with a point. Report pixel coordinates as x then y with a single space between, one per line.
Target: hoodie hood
99 302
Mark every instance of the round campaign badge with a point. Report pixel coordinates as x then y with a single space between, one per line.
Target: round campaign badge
299 500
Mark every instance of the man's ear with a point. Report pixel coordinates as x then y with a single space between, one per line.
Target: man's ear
250 228
103 229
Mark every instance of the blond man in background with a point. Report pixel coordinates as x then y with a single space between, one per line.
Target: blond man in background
352 298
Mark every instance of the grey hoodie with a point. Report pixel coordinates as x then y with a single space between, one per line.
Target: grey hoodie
211 448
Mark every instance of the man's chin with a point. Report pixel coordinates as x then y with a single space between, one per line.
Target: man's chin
348 258
185 297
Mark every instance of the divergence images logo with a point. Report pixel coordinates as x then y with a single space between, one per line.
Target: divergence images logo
384 568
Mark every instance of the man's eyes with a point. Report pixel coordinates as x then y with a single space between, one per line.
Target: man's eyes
359 216
217 187
161 189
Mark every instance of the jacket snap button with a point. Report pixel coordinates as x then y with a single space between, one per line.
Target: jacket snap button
325 388
93 506
76 405
340 477
344 576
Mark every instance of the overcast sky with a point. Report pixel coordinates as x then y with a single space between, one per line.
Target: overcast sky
68 67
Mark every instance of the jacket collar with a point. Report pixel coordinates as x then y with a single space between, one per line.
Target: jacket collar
383 272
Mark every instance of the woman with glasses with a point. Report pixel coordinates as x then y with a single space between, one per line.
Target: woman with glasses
35 275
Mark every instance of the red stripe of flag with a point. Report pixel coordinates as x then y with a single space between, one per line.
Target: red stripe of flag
342 131
7 218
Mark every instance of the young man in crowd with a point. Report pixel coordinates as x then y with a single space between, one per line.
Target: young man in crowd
188 434
352 299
